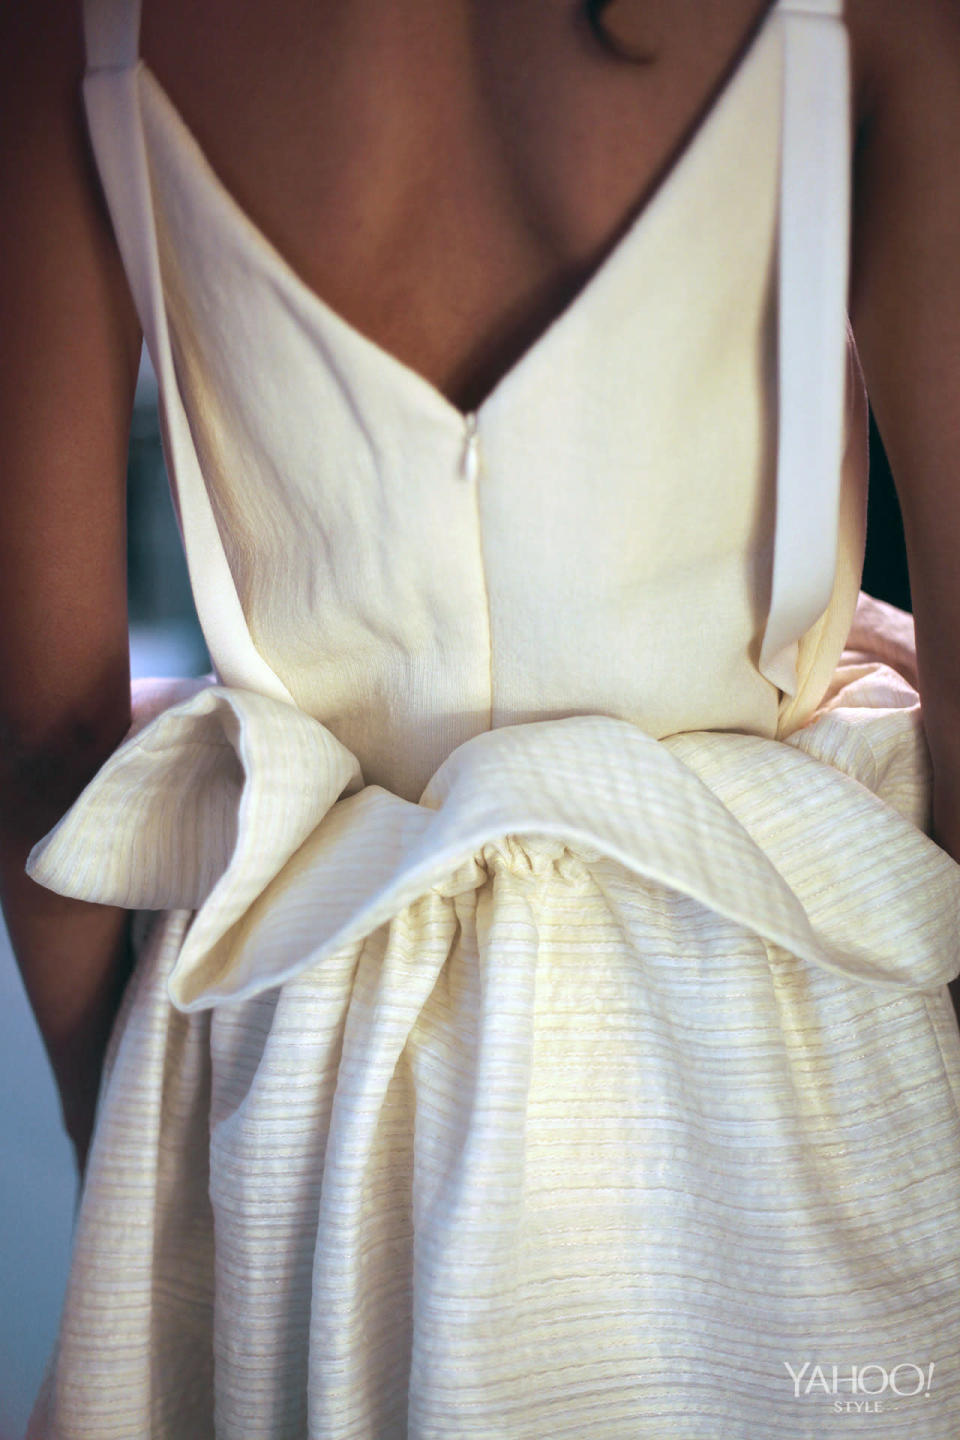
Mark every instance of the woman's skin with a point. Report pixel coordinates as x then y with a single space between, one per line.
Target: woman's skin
446 174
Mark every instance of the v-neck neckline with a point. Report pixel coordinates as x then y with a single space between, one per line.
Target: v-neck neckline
569 314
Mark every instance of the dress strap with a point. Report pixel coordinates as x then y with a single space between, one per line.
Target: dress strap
814 261
111 95
111 30
833 9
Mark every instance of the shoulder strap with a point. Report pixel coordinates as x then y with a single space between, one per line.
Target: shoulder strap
813 268
831 8
111 97
112 33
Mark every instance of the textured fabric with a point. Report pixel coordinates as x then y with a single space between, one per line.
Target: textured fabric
315 473
540 1023
578 1131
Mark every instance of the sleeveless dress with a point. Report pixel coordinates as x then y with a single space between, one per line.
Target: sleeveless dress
540 1023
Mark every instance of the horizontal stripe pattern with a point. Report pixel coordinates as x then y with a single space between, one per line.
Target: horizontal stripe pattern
575 1099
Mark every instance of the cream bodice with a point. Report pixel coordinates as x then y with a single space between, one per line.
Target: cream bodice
598 538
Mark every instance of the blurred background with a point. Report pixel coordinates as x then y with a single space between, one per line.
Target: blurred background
37 1176
165 638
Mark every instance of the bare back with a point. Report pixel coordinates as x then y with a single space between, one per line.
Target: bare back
445 173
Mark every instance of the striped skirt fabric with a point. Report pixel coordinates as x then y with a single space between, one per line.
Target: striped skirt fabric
610 1091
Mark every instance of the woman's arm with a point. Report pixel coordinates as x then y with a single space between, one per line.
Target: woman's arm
905 306
69 347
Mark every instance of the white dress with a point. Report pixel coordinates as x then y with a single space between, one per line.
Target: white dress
540 1024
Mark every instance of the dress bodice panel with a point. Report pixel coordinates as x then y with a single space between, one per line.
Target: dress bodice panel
595 539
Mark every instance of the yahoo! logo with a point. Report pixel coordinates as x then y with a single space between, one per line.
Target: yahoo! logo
858 1388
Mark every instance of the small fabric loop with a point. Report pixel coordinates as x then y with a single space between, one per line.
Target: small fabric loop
112 33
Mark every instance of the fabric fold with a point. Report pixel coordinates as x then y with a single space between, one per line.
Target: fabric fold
253 814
